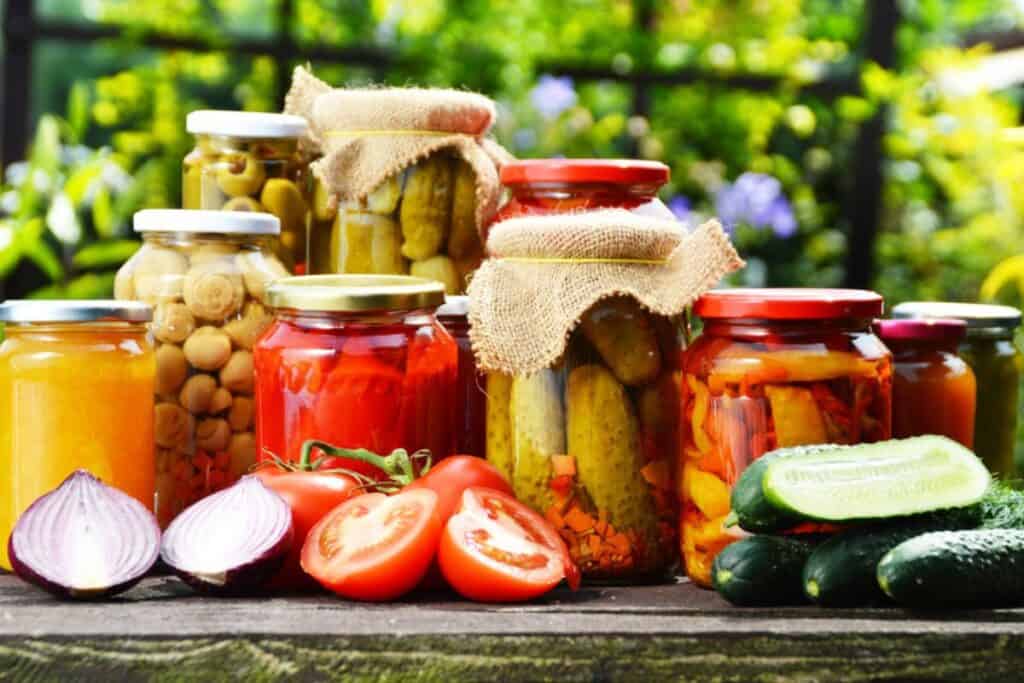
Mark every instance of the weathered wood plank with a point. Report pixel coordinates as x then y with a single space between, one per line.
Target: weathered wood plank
160 631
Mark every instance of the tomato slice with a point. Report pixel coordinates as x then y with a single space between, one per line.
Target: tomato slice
495 549
374 547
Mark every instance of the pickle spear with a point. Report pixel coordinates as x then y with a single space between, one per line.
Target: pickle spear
538 432
499 423
426 207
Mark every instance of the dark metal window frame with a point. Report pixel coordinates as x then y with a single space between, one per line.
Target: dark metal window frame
863 202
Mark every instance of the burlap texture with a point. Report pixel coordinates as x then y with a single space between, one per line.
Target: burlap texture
365 135
522 311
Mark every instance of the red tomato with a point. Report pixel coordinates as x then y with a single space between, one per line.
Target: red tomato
495 549
311 495
374 547
452 476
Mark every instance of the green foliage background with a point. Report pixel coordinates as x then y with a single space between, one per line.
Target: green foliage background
110 119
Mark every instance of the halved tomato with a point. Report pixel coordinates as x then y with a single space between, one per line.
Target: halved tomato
495 549
374 547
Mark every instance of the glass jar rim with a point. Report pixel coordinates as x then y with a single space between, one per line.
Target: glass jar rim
608 171
976 316
74 311
206 221
792 303
245 124
354 293
454 306
949 330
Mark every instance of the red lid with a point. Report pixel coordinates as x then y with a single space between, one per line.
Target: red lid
614 171
789 304
921 329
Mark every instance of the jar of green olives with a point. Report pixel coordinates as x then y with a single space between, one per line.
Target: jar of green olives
248 161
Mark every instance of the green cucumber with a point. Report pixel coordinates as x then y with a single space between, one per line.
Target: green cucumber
841 571
762 570
750 507
978 568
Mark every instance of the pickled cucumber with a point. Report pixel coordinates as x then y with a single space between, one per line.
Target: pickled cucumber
625 336
499 426
383 200
386 248
463 240
603 437
352 242
538 432
426 207
438 268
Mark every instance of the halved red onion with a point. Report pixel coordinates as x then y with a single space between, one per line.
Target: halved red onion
84 539
230 542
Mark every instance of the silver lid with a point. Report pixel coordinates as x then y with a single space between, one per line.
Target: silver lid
71 311
454 307
975 315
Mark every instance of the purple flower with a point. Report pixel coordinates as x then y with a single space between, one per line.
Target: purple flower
782 220
680 207
756 199
552 95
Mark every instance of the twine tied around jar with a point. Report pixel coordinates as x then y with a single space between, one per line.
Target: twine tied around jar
366 135
545 272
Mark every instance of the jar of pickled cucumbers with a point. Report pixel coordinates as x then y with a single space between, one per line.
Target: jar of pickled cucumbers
544 186
76 392
355 361
990 350
470 398
206 275
420 221
248 161
772 368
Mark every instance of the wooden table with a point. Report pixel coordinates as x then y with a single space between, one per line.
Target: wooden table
161 631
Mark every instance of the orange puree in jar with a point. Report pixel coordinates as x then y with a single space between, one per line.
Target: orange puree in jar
75 392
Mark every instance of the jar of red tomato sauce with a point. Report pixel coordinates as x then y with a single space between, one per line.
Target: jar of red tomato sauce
933 388
544 186
772 368
470 397
356 361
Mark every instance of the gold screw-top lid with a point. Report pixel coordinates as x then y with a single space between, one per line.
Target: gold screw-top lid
352 293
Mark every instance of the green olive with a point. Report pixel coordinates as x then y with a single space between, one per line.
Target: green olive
240 175
284 200
243 204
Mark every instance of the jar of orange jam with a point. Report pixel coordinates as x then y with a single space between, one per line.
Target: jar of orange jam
932 387
76 391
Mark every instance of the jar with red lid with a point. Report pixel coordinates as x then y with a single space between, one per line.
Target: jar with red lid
933 388
546 186
356 361
772 368
470 397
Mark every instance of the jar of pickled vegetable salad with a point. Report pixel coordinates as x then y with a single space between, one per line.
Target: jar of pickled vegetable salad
250 161
933 388
76 391
355 361
545 186
990 351
772 368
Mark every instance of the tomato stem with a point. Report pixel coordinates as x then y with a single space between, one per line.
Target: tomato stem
400 467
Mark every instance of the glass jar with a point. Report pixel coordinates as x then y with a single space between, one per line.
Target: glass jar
990 351
591 442
933 388
357 361
76 392
546 186
772 368
420 222
470 398
205 273
248 161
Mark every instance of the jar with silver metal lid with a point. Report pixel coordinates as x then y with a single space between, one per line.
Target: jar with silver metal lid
76 392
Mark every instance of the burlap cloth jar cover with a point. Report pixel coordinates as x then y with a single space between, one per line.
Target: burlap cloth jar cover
366 135
545 272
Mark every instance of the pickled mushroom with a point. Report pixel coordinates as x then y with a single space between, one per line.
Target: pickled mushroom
241 414
213 434
240 174
173 323
158 274
220 401
124 285
172 425
258 270
212 251
208 348
246 330
237 374
213 292
197 393
171 369
241 453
